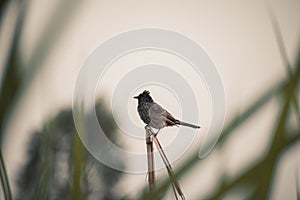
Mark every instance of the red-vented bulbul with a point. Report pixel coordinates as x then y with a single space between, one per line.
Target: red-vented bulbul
154 115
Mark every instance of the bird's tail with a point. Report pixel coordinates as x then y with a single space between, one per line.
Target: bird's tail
187 124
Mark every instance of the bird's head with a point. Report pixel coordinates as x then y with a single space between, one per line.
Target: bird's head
144 97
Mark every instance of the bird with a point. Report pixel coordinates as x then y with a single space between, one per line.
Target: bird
154 115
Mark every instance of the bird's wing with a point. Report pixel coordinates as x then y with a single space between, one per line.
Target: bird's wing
158 112
171 118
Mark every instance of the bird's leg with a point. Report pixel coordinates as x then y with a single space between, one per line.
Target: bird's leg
149 133
148 128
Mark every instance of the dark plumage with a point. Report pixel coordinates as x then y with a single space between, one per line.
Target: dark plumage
154 115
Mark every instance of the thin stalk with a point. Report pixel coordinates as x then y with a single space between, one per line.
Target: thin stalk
4 179
174 191
297 182
151 172
169 167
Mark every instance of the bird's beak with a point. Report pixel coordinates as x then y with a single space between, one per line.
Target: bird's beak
136 97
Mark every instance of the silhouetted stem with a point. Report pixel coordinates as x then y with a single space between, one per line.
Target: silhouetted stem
297 182
4 179
169 167
151 173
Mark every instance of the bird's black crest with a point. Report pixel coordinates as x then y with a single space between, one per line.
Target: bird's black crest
145 97
146 92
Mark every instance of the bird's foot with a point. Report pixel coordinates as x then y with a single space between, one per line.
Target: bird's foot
149 129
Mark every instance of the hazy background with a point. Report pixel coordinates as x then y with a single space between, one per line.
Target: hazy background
56 37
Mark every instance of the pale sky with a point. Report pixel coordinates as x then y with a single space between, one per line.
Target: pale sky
237 36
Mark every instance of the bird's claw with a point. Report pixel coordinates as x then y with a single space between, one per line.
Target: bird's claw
148 128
